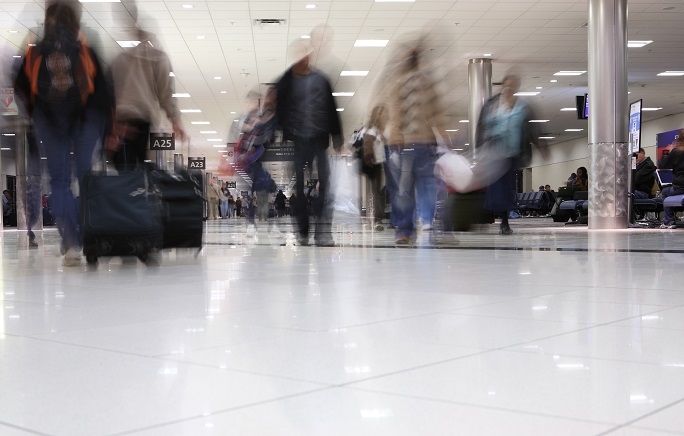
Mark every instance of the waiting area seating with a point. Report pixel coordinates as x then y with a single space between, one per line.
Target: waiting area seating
538 202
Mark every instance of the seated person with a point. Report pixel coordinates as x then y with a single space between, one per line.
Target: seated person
571 179
582 180
674 161
644 176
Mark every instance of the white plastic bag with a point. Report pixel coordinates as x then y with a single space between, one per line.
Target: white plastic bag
344 186
455 171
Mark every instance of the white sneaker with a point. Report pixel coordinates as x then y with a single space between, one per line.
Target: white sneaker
72 258
251 230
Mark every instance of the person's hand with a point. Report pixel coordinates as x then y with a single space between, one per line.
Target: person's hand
337 142
179 131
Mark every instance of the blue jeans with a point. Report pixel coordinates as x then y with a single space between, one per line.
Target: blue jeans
306 152
413 172
58 143
640 195
670 217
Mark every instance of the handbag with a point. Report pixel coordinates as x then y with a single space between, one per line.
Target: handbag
455 171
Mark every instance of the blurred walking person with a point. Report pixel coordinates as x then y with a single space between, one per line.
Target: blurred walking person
505 136
63 87
141 80
415 112
307 113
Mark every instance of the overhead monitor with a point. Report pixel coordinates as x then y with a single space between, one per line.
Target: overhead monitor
635 126
582 106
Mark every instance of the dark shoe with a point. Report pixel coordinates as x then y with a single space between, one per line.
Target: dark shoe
379 227
403 241
302 240
505 231
325 242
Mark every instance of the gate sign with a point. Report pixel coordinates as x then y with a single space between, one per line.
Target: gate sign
8 105
162 141
197 163
230 185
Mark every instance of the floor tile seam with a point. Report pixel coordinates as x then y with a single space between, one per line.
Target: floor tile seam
660 430
224 411
24 429
642 417
82 346
577 356
479 406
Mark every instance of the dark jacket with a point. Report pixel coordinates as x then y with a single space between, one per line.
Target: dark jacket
675 161
645 176
529 131
286 103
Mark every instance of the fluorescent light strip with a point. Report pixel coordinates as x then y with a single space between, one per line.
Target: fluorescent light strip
343 94
191 111
547 137
394 1
128 44
568 109
220 146
539 121
526 93
638 44
451 130
214 140
8 134
569 73
371 43
672 73
306 36
650 109
171 74
5 148
463 121
181 95
199 122
354 73
100 1
340 109
208 132
574 130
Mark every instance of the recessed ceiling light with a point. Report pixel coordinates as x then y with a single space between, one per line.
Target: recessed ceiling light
8 134
16 57
188 6
394 1
100 1
312 6
200 122
638 44
371 42
526 93
651 108
451 130
340 109
574 130
538 87
191 111
463 121
671 73
233 113
354 73
467 143
569 73
539 121
171 74
208 132
568 109
126 44
553 81
547 137
217 77
214 140
343 94
5 148
223 92
487 54
180 95
457 149
306 36
200 37
12 31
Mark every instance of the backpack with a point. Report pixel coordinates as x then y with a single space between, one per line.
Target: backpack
61 73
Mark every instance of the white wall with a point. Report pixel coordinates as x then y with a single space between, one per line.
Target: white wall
564 158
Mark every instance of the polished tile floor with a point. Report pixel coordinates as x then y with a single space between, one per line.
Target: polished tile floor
552 331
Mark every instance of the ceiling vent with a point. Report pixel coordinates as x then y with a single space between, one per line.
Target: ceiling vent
269 22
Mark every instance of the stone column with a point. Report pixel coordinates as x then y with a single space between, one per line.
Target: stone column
480 89
608 115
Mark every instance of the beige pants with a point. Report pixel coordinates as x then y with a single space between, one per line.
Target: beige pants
213 209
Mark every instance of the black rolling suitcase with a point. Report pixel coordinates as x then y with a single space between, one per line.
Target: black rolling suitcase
120 217
181 208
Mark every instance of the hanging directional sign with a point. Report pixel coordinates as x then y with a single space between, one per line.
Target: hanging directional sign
279 153
162 141
197 163
230 185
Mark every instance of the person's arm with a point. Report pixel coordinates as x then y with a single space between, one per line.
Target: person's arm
165 89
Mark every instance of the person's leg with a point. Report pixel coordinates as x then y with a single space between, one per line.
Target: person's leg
426 184
57 148
669 216
325 204
378 198
223 208
392 172
404 206
301 209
